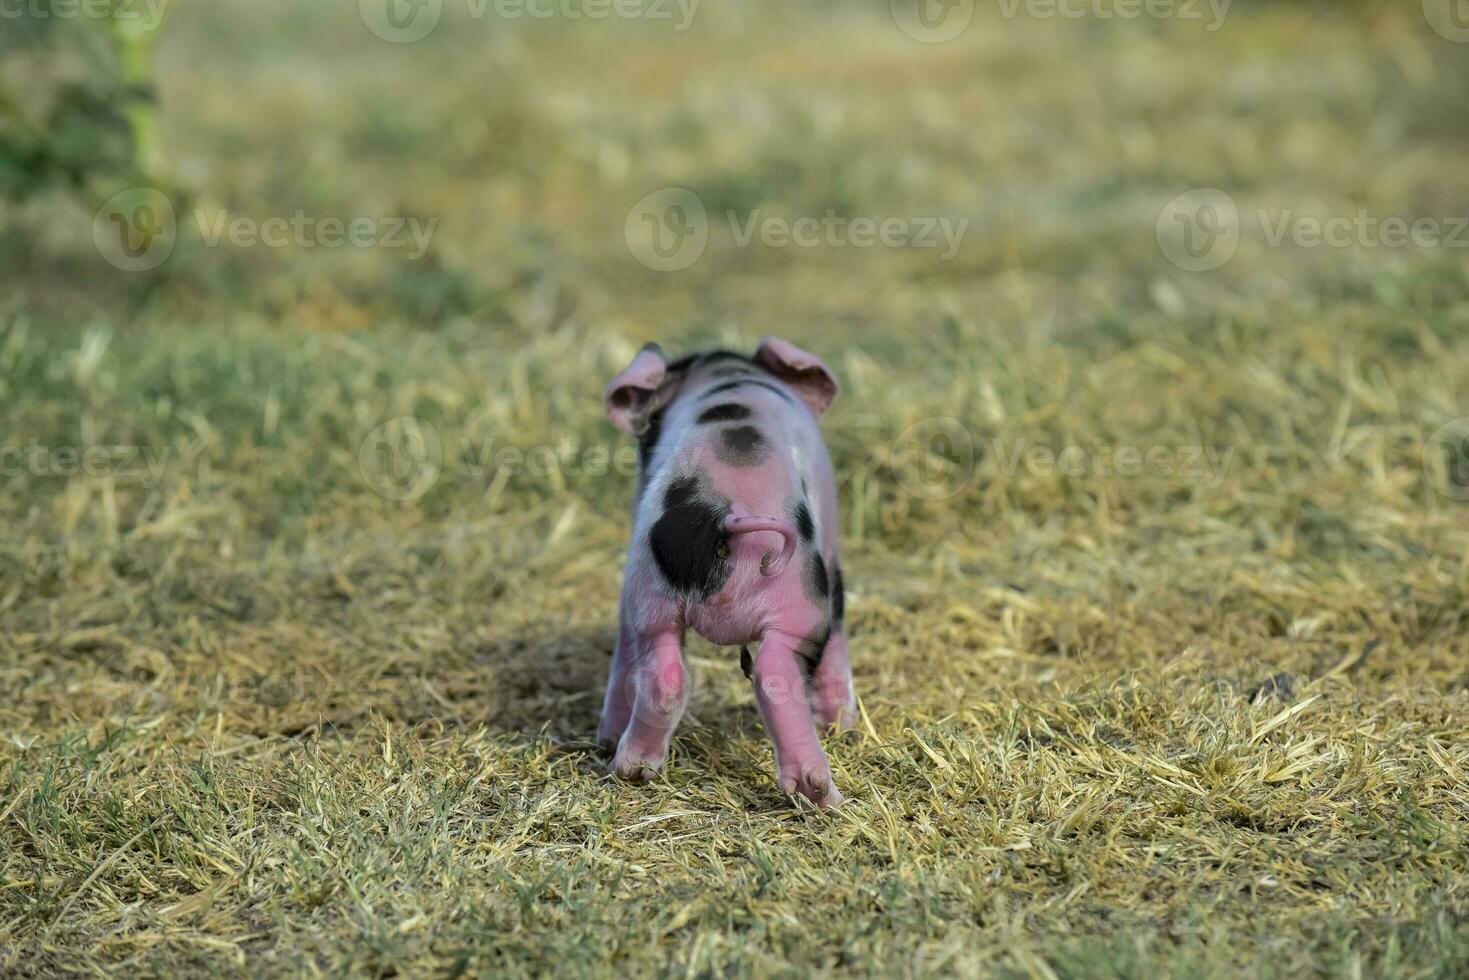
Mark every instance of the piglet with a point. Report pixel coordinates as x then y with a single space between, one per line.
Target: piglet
734 536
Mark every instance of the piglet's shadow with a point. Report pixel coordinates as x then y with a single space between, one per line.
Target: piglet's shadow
547 684
550 686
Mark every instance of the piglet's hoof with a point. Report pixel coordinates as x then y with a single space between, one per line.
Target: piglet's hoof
812 782
635 768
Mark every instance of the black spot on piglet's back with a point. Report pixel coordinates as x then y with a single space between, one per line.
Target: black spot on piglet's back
804 525
649 440
812 650
818 586
685 540
742 445
838 594
724 412
741 382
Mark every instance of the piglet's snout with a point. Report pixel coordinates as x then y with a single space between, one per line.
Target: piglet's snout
745 525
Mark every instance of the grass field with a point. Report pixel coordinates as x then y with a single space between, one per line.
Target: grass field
1159 579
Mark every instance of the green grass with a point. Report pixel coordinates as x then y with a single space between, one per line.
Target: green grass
256 718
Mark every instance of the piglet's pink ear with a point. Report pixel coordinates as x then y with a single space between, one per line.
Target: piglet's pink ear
632 397
804 372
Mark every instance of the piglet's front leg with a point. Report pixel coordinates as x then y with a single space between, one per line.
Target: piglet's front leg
780 689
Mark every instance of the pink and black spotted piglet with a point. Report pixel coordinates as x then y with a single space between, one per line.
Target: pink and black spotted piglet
735 535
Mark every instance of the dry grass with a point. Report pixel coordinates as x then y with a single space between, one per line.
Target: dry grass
259 720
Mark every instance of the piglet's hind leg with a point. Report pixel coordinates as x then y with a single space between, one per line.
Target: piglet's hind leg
780 688
658 687
836 705
617 704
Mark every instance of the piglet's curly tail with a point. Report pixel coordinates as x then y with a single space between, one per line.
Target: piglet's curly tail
744 525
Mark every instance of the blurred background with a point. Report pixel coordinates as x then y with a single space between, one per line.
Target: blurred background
525 134
253 235
1152 324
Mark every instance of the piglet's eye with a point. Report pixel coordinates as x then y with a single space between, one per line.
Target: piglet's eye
722 549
